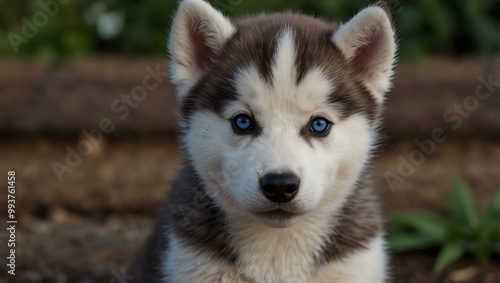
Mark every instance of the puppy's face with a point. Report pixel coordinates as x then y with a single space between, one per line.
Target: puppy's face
278 112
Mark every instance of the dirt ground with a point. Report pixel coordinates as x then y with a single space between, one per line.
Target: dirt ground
87 227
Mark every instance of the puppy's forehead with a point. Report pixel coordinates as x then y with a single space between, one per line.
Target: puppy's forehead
280 90
262 36
282 51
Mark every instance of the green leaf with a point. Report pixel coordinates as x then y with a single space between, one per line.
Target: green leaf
482 250
462 205
404 242
492 210
487 233
495 230
450 253
456 231
422 223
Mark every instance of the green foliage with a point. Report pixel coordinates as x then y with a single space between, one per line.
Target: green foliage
452 27
465 231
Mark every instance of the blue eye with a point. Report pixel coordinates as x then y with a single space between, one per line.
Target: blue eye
243 122
320 126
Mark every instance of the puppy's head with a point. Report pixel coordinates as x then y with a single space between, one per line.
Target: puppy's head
279 112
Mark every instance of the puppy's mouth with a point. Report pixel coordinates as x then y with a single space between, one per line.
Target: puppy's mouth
278 214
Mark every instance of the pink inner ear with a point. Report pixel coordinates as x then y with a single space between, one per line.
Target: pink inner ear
202 54
366 55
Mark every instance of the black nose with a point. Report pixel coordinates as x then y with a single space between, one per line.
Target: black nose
280 187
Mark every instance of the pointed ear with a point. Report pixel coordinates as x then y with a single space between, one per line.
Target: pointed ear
367 41
198 34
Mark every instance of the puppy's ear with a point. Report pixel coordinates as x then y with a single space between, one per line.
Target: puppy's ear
198 34
368 42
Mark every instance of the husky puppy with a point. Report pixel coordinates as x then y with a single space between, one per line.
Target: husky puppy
279 117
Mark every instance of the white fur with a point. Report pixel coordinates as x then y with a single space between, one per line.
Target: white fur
190 266
358 32
187 265
360 267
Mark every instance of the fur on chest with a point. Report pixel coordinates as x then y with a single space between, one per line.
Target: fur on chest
278 263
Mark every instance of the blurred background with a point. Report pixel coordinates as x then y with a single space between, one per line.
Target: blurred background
92 167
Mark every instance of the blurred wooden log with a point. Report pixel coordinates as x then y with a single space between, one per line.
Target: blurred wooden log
64 98
424 93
